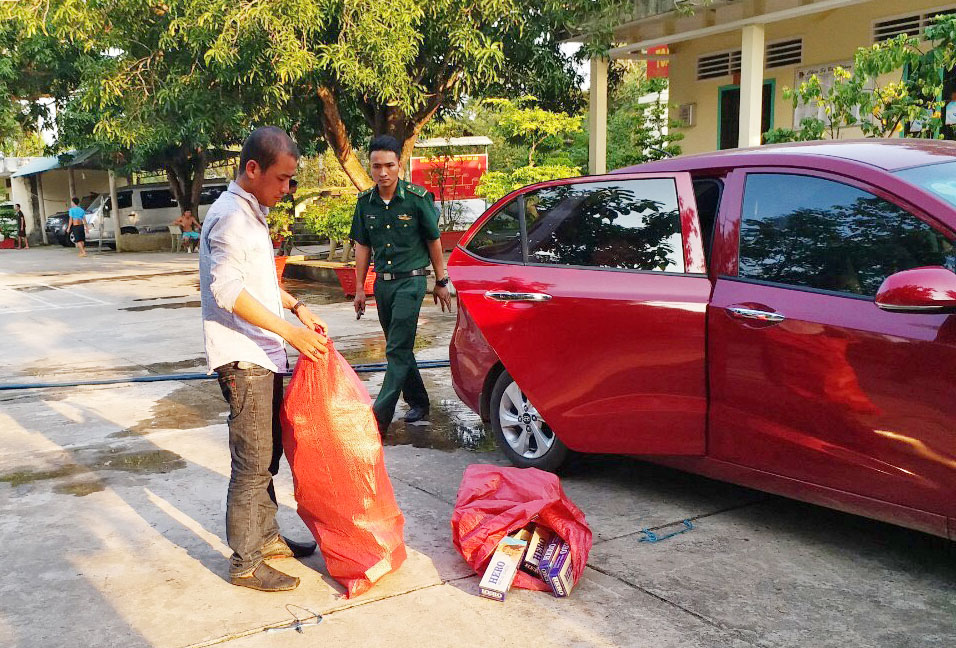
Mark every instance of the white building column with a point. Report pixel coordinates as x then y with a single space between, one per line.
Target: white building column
597 118
751 85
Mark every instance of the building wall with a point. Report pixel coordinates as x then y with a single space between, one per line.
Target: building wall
828 37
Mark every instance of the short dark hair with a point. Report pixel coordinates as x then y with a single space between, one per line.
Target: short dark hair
76 201
17 205
293 183
385 143
264 145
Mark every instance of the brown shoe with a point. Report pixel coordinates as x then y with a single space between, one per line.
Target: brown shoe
265 579
282 547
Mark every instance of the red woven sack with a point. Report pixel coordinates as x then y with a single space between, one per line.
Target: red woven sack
338 467
493 501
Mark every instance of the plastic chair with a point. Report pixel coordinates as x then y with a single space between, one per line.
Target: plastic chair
176 234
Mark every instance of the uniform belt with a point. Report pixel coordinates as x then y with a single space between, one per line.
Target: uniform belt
389 276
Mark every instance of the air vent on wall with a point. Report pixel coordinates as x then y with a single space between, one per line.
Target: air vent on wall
718 65
913 25
785 53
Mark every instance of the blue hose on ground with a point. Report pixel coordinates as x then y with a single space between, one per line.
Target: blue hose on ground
361 368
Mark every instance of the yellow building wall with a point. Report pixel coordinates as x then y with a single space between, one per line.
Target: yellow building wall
828 37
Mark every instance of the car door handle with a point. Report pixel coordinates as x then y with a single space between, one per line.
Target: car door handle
507 296
750 313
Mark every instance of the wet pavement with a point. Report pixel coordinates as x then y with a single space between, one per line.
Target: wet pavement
112 503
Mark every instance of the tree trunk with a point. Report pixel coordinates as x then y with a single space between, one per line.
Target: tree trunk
337 137
186 172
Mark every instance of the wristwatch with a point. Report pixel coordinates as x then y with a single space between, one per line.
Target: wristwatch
441 283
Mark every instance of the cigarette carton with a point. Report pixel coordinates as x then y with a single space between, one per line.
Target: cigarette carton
524 534
550 553
501 570
537 545
559 575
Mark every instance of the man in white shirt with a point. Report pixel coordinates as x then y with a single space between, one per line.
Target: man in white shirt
245 334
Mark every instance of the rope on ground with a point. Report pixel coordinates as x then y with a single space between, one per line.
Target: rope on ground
360 368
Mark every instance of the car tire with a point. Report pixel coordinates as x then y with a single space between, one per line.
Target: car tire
521 433
64 240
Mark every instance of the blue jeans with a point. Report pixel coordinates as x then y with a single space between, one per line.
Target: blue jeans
254 395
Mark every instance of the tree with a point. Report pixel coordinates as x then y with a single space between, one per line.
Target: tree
140 86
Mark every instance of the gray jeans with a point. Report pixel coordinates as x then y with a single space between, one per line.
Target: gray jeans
254 395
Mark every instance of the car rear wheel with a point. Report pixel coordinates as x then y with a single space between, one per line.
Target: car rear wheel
521 432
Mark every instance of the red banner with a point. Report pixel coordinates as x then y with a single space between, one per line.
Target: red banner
658 69
450 177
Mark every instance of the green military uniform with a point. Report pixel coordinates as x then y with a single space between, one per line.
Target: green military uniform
397 233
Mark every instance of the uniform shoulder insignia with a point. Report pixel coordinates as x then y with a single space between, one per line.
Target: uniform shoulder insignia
417 190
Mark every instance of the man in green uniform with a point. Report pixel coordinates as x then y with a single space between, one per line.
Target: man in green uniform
396 223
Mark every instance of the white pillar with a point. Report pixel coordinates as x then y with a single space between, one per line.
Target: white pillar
114 211
751 85
597 118
42 208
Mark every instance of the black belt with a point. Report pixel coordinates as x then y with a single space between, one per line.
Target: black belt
389 276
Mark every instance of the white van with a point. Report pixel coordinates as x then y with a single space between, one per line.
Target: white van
145 209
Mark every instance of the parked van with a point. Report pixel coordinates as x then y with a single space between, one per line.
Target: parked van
145 209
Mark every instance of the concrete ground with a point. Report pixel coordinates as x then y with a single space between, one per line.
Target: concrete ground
112 508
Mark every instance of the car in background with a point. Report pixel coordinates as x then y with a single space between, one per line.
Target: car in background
144 209
781 317
58 229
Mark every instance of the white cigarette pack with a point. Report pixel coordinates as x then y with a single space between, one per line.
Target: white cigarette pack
502 568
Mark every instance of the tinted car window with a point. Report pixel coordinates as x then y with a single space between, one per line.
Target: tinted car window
208 195
629 224
820 234
499 238
157 198
125 199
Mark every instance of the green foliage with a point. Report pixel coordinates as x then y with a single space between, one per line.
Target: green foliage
331 217
495 184
893 84
639 130
280 219
525 122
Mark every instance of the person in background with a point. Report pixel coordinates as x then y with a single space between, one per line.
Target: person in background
21 229
77 217
396 225
190 228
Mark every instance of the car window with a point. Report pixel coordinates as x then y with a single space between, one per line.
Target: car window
125 199
499 239
825 235
626 224
157 198
208 195
939 179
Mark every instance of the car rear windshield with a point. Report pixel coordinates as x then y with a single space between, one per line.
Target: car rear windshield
938 179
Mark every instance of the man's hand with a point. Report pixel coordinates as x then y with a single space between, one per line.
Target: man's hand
307 341
310 320
443 295
359 302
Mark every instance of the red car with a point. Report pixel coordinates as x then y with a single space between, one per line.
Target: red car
776 317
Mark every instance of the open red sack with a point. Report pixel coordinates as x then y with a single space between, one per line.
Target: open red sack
493 501
344 494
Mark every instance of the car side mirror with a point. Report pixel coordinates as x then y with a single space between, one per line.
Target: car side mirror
921 290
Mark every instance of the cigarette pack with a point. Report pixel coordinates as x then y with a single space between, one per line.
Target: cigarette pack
550 553
524 534
536 548
502 568
559 574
